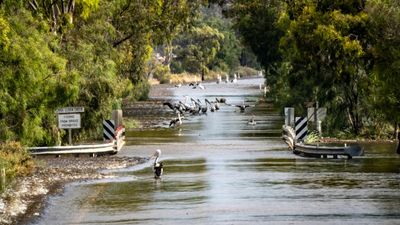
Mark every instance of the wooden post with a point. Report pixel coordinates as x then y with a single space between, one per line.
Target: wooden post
319 127
315 115
3 178
398 139
70 136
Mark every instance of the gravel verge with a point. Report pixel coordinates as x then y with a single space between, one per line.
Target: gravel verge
25 198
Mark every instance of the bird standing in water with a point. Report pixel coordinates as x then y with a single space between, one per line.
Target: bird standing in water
252 121
176 121
242 107
157 166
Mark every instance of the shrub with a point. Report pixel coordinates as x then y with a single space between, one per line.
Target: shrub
15 159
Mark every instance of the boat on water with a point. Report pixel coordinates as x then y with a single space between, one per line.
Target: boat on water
317 150
323 151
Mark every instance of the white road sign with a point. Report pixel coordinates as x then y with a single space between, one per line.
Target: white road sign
71 110
69 121
321 114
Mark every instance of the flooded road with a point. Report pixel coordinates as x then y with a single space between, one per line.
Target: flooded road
221 170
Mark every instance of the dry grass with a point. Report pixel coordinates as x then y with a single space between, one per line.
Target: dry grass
184 78
154 81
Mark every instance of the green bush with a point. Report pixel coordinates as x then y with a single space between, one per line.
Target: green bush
161 73
15 159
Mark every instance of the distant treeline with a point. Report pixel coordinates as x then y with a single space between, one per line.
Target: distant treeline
343 54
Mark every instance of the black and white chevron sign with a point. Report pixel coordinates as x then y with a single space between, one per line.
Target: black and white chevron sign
108 130
301 128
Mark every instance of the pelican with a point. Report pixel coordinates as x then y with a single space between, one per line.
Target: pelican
157 166
242 107
252 121
234 79
220 100
169 104
212 106
219 79
199 85
216 106
175 107
203 109
176 121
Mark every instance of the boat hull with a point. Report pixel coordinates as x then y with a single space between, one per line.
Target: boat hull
327 151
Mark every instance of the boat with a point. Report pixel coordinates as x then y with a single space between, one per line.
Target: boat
318 151
323 151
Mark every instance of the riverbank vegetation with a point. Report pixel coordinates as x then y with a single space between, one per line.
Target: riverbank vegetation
14 161
94 53
345 55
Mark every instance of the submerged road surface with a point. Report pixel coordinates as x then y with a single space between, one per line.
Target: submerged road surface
221 170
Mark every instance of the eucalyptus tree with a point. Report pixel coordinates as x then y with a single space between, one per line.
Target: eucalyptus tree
196 49
256 22
384 34
228 56
325 46
61 13
34 81
141 25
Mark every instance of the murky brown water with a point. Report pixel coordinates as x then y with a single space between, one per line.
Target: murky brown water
220 170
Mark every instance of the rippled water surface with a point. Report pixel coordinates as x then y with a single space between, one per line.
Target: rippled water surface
220 170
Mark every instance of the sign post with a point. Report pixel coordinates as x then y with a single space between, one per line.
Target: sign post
69 118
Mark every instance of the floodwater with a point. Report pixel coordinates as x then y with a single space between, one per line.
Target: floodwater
220 170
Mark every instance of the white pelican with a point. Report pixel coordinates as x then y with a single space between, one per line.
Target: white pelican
176 121
158 166
252 121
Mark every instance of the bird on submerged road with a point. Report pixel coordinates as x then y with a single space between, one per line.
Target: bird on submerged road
175 107
176 121
252 121
242 107
157 166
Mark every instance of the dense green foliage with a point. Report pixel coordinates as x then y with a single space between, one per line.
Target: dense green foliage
343 54
15 160
88 53
209 44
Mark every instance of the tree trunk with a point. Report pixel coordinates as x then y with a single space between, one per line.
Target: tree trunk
398 145
398 138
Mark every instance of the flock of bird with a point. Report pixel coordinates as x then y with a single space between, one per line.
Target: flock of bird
191 106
